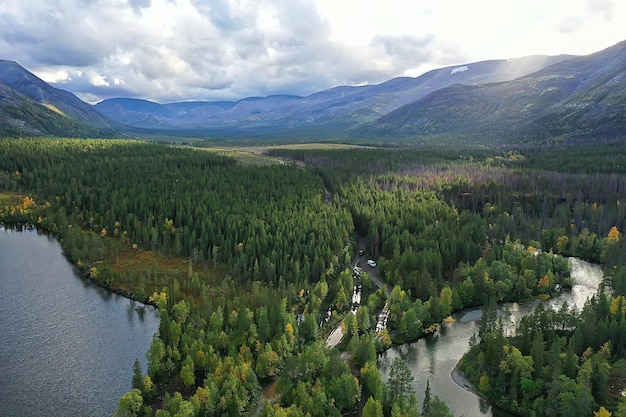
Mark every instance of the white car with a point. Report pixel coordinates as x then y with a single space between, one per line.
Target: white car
371 263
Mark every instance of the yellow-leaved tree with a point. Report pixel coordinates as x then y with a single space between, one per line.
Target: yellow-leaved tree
610 252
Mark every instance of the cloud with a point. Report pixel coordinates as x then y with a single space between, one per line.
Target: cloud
137 5
169 50
181 49
405 46
51 37
606 8
570 24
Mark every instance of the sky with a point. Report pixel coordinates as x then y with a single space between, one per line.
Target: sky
180 50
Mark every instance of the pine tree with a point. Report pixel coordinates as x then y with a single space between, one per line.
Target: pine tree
427 400
137 375
400 379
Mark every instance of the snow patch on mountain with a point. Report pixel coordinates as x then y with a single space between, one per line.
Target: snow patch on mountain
459 69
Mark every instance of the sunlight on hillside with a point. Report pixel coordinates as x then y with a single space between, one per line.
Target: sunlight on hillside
54 108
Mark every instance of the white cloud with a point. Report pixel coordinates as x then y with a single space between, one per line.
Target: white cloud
168 50
54 75
97 80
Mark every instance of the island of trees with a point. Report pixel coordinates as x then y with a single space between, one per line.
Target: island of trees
250 266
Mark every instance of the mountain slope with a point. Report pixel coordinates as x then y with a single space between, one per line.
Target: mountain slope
61 101
356 105
21 116
576 98
189 115
528 99
335 109
29 106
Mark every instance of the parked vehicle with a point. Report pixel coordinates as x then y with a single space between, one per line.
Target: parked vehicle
371 263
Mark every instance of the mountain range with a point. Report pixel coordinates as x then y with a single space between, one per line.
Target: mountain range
579 98
345 105
530 99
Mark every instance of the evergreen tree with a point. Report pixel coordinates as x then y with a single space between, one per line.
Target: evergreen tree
427 400
400 379
373 408
137 376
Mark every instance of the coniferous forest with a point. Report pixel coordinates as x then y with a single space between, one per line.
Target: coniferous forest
250 266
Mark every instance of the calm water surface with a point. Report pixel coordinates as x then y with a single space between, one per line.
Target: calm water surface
67 346
434 359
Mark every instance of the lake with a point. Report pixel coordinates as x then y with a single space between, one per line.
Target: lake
67 345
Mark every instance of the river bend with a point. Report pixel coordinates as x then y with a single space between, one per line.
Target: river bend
433 359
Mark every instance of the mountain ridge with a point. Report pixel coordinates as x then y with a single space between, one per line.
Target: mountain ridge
579 97
30 106
531 99
347 106
15 76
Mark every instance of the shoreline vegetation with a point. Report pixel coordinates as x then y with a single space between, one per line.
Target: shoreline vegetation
244 261
267 394
459 378
79 269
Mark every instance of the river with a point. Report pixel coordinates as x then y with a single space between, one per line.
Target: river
433 359
67 346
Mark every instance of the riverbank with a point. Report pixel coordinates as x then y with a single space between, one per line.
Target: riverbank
459 378
435 360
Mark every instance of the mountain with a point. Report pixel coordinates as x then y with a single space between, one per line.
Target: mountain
134 112
335 109
64 102
356 105
30 106
189 115
21 116
582 97
532 100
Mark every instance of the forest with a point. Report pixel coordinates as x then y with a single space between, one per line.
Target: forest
250 267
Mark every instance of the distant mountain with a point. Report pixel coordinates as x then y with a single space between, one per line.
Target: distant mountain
135 112
190 115
336 109
28 105
582 97
530 99
351 106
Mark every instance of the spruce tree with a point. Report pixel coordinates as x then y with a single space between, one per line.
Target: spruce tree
427 400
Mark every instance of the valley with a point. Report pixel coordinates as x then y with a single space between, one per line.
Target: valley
464 188
244 258
530 100
260 154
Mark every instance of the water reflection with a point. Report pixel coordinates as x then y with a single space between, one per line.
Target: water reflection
137 310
